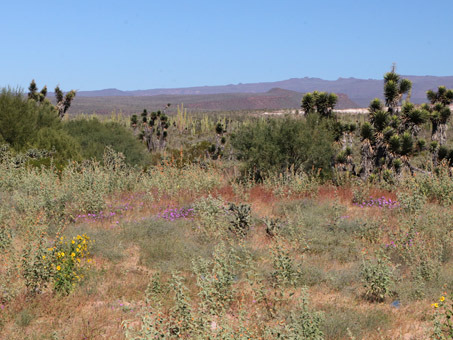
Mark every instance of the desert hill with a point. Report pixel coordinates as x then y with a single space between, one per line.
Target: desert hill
273 99
359 91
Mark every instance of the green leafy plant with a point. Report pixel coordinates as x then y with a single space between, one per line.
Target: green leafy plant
275 145
215 279
36 266
443 318
377 277
285 271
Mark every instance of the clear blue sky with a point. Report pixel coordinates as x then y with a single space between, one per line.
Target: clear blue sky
130 45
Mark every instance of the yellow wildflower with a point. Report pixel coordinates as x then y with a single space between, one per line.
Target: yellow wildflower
442 299
58 267
44 257
73 242
72 254
78 260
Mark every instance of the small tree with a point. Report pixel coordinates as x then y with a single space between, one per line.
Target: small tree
134 123
394 90
156 124
34 94
322 103
390 136
63 101
439 115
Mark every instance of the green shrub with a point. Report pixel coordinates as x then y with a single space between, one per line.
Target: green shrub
212 218
275 145
94 136
21 119
58 141
36 267
215 279
285 270
377 278
304 323
27 123
443 319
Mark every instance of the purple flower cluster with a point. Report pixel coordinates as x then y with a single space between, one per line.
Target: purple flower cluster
100 216
406 242
172 214
380 202
113 211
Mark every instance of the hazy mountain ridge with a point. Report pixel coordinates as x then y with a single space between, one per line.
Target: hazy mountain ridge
274 99
360 91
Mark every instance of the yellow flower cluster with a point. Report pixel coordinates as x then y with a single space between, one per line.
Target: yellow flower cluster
436 305
68 259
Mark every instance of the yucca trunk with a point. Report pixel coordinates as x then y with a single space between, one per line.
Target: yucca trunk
367 163
439 133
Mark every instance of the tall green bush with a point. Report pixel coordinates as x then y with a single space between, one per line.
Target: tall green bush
94 135
21 119
275 145
27 123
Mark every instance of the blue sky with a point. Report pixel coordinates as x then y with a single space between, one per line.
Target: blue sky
129 45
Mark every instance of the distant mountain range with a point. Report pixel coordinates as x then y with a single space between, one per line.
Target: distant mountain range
253 96
274 99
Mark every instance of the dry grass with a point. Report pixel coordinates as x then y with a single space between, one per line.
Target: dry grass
114 289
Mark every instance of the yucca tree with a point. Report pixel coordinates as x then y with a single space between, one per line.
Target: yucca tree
439 112
367 150
156 124
134 123
394 90
389 138
442 96
33 93
412 118
322 103
63 101
347 132
147 130
162 130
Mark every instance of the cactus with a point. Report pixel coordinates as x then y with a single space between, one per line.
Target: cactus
241 220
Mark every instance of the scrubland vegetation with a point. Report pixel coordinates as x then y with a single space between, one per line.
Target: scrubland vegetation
181 226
